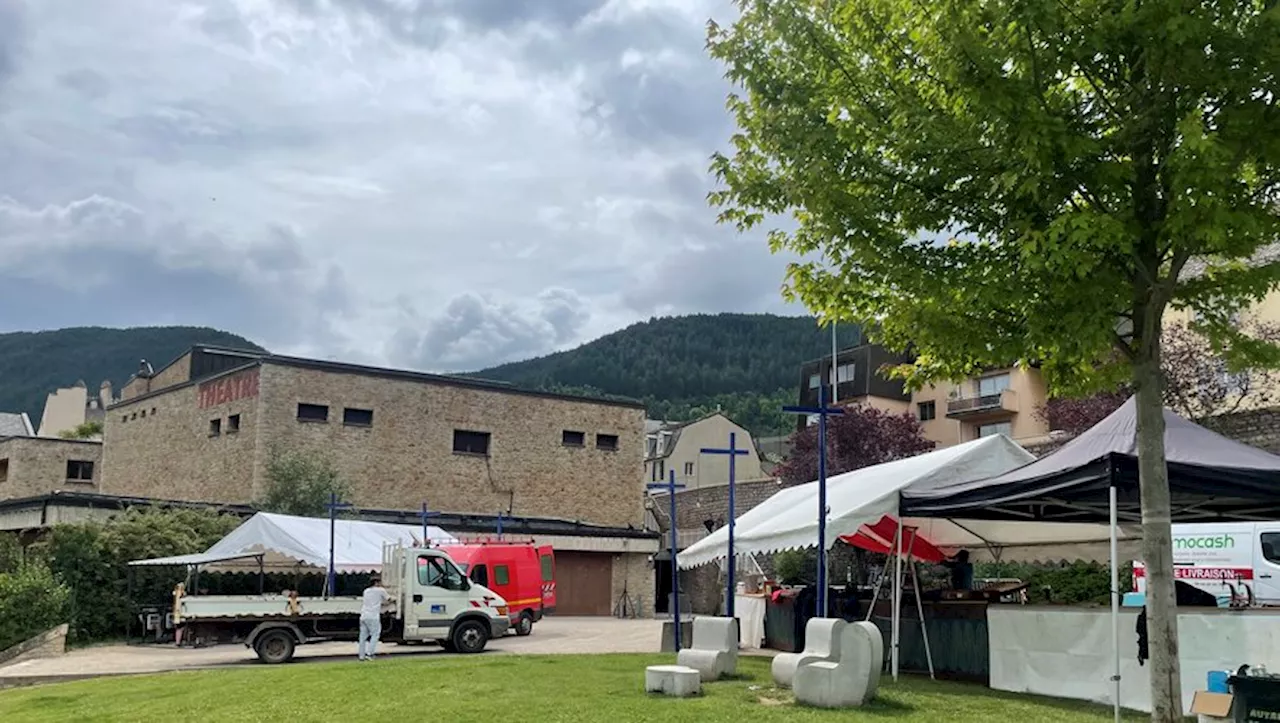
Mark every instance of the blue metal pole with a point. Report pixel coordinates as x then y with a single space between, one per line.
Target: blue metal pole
333 524
822 504
675 569
426 533
499 524
731 591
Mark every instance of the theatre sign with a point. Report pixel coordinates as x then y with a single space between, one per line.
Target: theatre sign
242 385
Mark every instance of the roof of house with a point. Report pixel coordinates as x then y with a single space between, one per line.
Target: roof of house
256 357
15 424
653 428
1265 255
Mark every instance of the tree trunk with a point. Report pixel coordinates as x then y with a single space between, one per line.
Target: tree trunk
1157 546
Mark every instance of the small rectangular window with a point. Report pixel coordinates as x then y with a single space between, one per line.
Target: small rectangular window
501 575
468 442
688 469
570 438
548 569
79 471
927 411
313 413
357 417
215 427
814 380
233 424
144 414
4 471
124 418
607 441
153 411
133 416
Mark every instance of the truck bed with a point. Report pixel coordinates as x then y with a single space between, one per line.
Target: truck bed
204 607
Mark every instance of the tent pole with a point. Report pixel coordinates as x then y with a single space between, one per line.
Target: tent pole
897 598
1115 601
876 596
915 580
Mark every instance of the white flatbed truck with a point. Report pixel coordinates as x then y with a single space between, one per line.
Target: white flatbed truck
431 600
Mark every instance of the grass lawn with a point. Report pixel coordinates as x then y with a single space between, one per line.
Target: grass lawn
489 688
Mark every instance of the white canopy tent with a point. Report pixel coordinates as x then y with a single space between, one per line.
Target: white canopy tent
285 541
788 519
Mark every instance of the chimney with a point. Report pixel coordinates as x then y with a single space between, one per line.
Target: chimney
105 397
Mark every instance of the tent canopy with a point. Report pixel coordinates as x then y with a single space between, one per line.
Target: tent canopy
199 558
1210 478
788 519
287 541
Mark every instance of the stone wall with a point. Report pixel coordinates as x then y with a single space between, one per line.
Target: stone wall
633 576
1257 427
38 465
161 444
49 644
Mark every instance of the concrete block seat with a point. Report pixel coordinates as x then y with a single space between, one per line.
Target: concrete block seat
822 638
714 652
850 681
674 680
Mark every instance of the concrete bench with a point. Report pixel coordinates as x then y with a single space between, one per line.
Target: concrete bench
822 638
714 652
850 681
675 680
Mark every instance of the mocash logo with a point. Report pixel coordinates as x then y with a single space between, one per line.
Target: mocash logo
1204 542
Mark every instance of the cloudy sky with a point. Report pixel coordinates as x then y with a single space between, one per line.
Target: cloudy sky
441 184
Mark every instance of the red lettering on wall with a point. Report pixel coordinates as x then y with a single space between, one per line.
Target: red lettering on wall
230 389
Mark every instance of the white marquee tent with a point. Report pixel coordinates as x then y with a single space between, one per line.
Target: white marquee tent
788 519
285 541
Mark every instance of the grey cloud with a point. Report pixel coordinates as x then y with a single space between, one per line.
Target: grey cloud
88 82
177 131
12 36
703 267
223 22
475 331
424 22
98 261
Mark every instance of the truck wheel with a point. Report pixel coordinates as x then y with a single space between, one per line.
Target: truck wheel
470 636
275 646
525 625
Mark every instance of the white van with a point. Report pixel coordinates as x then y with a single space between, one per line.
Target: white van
1238 562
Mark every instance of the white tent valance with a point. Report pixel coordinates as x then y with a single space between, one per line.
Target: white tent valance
288 541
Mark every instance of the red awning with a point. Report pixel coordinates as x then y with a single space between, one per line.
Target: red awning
880 536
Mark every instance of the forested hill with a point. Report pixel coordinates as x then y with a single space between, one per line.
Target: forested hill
32 364
683 366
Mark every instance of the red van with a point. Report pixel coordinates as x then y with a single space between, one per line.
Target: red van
522 573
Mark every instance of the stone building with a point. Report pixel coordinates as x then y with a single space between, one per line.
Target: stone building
206 426
31 466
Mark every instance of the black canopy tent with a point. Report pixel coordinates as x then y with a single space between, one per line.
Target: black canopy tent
1210 478
1094 478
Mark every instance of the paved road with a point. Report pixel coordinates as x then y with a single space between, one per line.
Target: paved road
555 635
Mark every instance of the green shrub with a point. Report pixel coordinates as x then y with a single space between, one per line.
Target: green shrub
796 567
32 601
91 560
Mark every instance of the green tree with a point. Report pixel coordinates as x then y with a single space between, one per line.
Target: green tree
1019 180
300 484
31 602
84 430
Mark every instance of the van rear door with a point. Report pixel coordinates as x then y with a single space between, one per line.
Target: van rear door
547 568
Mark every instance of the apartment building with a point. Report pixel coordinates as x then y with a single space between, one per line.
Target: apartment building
1000 401
677 447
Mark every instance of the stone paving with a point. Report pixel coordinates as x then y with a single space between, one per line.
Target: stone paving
554 635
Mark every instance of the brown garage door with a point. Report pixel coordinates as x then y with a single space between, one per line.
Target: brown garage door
583 582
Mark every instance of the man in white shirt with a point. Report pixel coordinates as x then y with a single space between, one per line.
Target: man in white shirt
375 597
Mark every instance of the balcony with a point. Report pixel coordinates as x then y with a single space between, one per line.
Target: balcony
986 406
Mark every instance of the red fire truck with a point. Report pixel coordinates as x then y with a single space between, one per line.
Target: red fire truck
524 574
